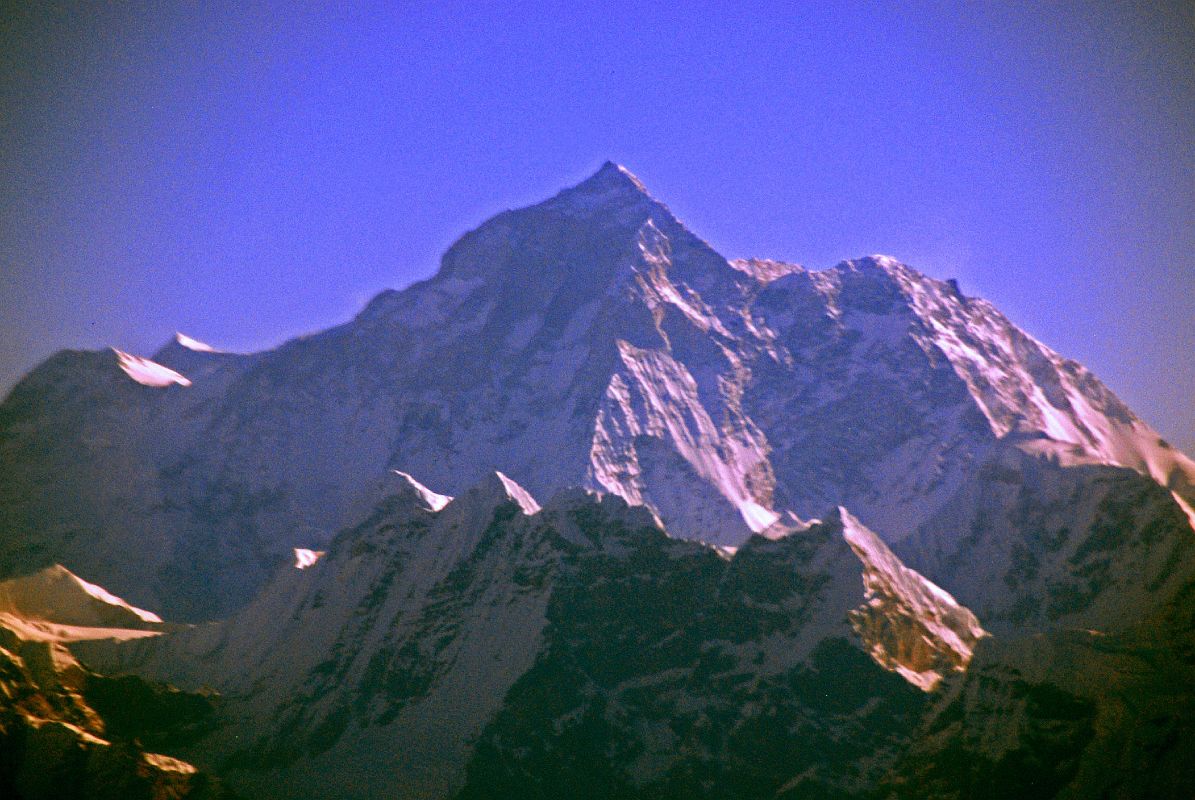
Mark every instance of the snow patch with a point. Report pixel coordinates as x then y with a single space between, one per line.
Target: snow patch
519 495
104 596
305 558
168 764
56 595
148 373
757 517
193 344
433 501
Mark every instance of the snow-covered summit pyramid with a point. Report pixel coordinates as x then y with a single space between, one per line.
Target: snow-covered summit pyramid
590 340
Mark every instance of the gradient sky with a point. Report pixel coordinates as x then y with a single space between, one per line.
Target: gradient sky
246 177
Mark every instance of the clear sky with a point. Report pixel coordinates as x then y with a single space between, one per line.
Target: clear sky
246 177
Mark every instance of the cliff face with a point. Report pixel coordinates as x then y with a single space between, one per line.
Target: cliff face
910 625
1066 714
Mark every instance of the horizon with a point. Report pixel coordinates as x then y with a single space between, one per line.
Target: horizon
245 179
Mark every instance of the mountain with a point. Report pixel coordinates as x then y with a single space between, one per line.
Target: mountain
1033 547
835 533
590 340
488 646
482 645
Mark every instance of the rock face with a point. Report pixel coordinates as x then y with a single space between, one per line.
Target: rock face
490 646
479 644
68 732
589 340
1031 547
911 626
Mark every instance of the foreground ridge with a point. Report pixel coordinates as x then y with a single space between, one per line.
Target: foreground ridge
431 622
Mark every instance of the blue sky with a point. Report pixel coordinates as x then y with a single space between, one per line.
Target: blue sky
248 176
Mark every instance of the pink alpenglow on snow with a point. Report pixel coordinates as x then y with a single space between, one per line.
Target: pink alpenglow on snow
305 558
55 605
193 344
149 373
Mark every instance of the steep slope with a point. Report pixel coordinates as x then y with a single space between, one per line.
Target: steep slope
1034 547
375 666
588 340
55 605
1066 715
441 633
668 672
81 452
910 625
902 386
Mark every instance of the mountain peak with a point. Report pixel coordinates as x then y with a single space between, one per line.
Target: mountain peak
493 490
572 228
57 595
428 499
613 186
517 494
910 624
615 175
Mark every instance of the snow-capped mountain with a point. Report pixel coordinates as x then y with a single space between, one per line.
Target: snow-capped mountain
803 533
589 340
488 645
1031 546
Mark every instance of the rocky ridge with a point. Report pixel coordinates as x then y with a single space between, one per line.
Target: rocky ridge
67 731
423 628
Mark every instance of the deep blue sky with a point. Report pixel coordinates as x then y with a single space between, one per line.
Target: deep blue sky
246 177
